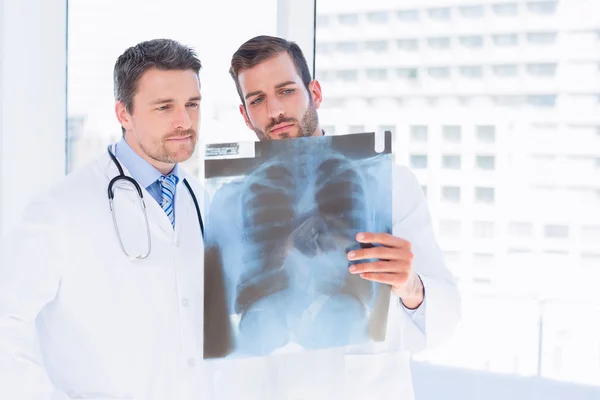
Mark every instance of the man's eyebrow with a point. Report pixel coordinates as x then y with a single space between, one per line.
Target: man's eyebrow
253 94
278 86
286 83
162 101
170 100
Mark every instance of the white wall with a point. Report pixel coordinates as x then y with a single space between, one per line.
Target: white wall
32 101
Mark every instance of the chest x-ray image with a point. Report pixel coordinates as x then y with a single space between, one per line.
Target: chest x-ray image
282 216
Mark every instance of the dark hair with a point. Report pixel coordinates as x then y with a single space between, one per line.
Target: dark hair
261 48
163 54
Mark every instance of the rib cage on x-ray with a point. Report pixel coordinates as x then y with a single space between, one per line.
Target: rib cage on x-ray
279 216
268 222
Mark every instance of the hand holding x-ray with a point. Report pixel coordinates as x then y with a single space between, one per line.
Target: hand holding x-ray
393 266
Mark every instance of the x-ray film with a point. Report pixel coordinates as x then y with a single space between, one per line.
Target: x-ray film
282 216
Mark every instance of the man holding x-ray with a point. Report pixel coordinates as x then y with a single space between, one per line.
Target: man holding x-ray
279 100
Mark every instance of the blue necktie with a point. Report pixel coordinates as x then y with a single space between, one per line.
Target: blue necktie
168 184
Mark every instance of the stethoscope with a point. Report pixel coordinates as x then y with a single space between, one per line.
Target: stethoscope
137 187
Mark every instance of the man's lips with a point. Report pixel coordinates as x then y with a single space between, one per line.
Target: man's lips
280 127
180 138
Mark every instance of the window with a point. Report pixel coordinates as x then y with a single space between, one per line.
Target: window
377 17
439 72
378 74
520 229
419 133
542 7
326 76
334 102
543 70
506 9
474 42
451 133
471 11
408 15
347 75
556 231
322 21
347 47
510 101
542 100
541 38
486 133
485 162
407 73
407 44
451 194
518 250
483 229
504 71
451 161
439 14
418 161
439 43
471 71
484 195
348 19
377 46
324 48
506 39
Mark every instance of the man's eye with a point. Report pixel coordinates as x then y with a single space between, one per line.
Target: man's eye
163 108
288 91
194 105
256 101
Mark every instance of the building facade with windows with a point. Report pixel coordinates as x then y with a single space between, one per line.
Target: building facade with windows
495 106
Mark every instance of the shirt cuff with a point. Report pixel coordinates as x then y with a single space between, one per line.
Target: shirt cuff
417 314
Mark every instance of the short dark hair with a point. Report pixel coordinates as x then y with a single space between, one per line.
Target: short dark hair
261 48
163 54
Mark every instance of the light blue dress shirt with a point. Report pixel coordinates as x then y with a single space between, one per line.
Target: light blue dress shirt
142 171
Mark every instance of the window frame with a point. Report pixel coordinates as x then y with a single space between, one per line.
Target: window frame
39 154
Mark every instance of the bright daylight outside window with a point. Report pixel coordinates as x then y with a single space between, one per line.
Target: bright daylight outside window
98 35
496 109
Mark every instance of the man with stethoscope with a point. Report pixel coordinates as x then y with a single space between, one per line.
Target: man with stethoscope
101 286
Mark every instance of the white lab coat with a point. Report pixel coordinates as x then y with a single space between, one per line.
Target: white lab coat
78 320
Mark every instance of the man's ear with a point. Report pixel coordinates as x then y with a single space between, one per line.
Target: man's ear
123 115
315 92
245 115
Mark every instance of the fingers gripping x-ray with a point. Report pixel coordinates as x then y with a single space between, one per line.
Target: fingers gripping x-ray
300 210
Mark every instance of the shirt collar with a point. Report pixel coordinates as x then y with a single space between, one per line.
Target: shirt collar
141 170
